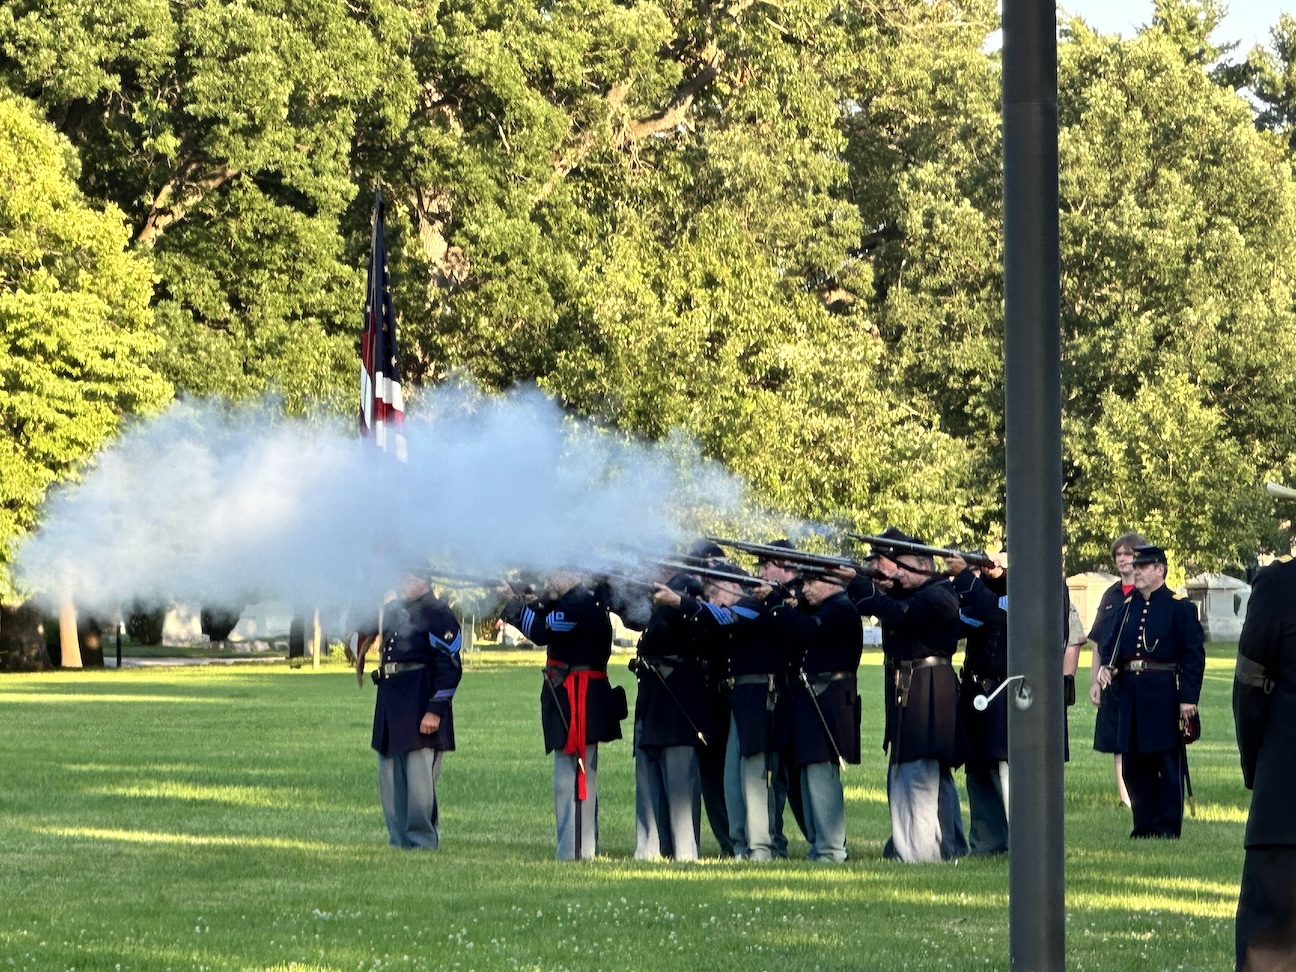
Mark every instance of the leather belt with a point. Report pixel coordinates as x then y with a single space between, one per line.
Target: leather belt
1139 665
389 669
931 661
752 679
829 676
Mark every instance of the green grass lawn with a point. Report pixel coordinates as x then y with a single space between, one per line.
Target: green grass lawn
218 818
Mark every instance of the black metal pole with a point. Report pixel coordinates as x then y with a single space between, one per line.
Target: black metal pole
1033 422
119 627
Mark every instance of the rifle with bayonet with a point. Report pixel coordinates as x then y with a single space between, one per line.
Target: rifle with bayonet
972 557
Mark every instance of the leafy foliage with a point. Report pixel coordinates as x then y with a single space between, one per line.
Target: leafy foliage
774 226
74 316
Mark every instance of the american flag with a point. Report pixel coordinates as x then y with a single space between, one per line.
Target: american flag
382 406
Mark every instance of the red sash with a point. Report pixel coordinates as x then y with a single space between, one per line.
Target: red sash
577 685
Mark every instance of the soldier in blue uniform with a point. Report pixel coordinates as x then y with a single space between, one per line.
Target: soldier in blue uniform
671 725
1156 656
755 630
919 613
983 622
826 712
1264 714
579 708
711 757
419 670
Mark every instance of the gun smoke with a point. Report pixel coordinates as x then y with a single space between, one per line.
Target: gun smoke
209 504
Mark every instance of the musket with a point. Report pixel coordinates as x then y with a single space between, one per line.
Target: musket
714 573
812 563
973 558
832 741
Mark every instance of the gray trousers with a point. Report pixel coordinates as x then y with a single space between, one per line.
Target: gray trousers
668 802
565 804
752 803
953 839
987 790
824 804
926 821
407 788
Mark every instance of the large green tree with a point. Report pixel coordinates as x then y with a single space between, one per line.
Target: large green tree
1178 289
74 321
223 130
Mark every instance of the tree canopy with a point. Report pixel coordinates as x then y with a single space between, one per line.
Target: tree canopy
777 227
74 321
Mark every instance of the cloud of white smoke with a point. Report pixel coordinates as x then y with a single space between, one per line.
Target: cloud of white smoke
217 505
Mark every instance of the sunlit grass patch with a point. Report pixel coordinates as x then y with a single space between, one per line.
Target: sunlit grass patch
243 833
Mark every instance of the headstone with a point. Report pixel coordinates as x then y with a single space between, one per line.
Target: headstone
1221 604
1086 591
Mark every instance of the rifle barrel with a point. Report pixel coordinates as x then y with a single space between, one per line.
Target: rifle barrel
714 574
787 554
807 561
907 546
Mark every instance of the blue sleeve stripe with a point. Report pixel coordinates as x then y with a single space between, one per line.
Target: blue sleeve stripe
971 622
526 621
452 646
745 612
1003 603
721 614
443 695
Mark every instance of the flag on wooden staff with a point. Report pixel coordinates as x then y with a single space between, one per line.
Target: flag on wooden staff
382 406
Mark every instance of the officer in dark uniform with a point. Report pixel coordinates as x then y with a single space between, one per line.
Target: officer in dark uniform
983 622
1264 712
579 708
1156 656
826 712
919 612
671 724
419 670
757 635
1104 623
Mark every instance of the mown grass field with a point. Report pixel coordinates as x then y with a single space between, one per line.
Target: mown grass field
226 818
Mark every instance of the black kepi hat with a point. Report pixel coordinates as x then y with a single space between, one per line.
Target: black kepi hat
1149 555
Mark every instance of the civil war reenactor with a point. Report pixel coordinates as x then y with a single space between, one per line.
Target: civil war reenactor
1104 623
784 579
1264 715
825 711
579 708
671 726
918 610
1156 656
983 623
418 672
711 757
753 623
